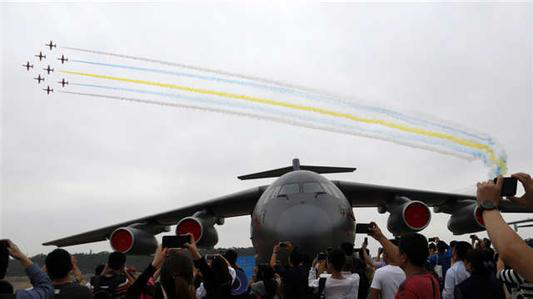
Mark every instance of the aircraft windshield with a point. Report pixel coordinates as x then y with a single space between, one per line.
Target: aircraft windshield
312 188
289 189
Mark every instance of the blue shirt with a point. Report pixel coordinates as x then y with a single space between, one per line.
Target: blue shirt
444 259
42 285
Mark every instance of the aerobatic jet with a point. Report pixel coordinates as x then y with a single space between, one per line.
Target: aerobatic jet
48 89
48 69
301 206
41 56
27 65
39 79
62 59
63 82
51 45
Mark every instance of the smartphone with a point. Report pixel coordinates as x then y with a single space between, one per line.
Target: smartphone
176 241
365 241
362 228
509 186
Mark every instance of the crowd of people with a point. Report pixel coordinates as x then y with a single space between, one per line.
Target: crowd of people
410 266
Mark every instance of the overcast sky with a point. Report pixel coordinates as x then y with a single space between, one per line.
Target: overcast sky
72 164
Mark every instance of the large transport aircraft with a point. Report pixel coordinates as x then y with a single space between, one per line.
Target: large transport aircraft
301 206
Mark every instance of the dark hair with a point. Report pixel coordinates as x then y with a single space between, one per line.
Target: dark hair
477 262
99 269
295 258
441 246
347 247
4 259
461 249
5 287
432 246
177 276
336 259
453 243
487 243
221 271
116 260
58 263
231 256
415 247
265 273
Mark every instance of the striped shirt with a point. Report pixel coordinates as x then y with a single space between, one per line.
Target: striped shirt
524 288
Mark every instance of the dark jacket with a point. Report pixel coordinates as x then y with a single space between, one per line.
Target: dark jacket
216 287
480 286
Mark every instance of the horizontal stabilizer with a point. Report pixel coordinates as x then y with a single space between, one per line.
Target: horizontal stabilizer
295 166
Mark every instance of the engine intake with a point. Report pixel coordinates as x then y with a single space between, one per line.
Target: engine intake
201 226
466 219
407 216
130 240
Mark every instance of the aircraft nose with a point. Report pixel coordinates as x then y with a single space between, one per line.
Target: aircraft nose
305 226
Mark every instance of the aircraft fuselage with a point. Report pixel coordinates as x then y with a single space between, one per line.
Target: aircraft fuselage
304 208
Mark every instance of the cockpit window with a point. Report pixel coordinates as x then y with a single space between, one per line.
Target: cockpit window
331 190
312 188
289 189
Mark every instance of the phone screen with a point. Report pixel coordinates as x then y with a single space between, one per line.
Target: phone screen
509 187
176 241
362 228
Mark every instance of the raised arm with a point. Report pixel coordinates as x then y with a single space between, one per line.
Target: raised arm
392 251
512 249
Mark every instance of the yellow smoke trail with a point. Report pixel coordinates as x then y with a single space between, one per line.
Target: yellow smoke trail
384 123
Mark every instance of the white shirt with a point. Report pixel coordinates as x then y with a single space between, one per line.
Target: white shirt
454 276
345 288
388 279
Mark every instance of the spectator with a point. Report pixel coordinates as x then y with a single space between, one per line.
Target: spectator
264 284
511 248
356 265
176 275
336 284
97 272
521 287
457 272
294 277
59 264
140 285
42 285
441 261
239 288
432 249
411 255
115 280
482 283
217 278
387 279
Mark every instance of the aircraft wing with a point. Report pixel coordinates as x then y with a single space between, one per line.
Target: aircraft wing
367 195
232 205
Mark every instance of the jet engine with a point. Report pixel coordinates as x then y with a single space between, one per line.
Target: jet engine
466 219
406 215
202 226
132 240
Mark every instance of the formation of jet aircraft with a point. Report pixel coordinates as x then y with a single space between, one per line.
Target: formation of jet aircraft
301 206
49 68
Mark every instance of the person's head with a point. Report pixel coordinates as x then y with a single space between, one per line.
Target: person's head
452 244
58 264
295 258
116 260
219 265
413 250
486 243
441 246
231 256
432 248
460 250
475 262
265 273
336 260
99 269
4 259
385 255
347 247
177 276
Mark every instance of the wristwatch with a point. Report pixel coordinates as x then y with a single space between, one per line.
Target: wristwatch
488 205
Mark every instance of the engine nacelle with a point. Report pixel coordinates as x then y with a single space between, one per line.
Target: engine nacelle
130 240
466 219
407 216
201 226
